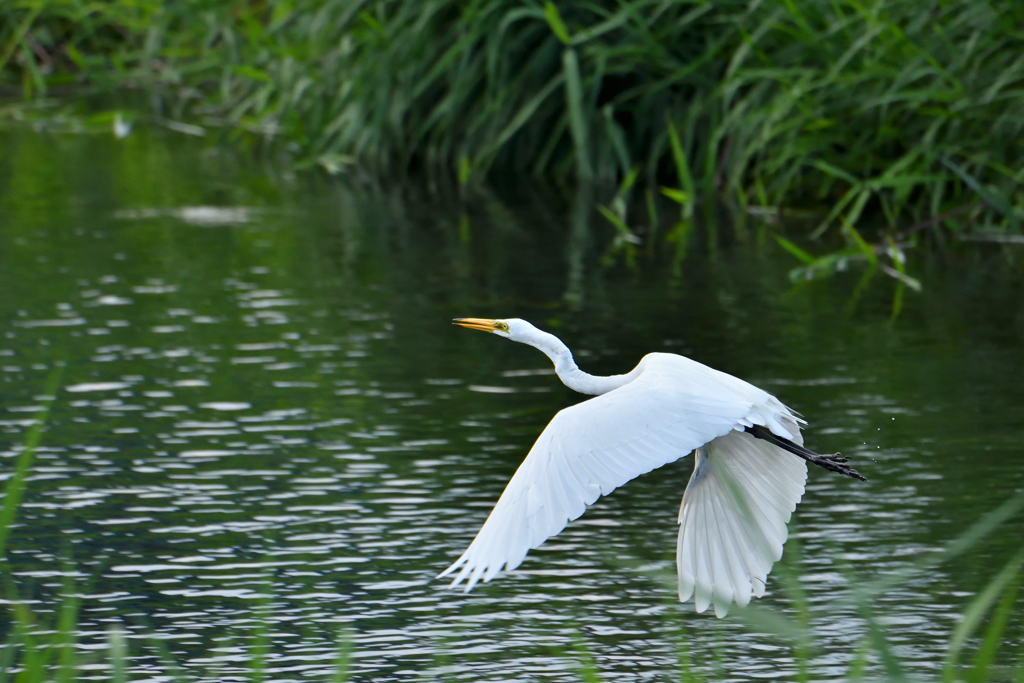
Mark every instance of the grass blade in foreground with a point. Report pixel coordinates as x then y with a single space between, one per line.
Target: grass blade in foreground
16 486
976 612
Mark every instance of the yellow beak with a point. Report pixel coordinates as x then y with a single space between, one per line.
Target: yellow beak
482 324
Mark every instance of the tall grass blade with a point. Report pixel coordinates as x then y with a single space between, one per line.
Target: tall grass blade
10 649
118 646
617 139
794 250
586 666
866 249
983 660
993 199
859 665
620 226
16 485
679 157
687 674
577 118
897 302
683 173
261 638
976 611
880 643
973 535
344 660
34 658
554 20
171 668
804 645
680 197
64 639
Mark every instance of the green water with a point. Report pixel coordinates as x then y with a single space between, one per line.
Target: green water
264 401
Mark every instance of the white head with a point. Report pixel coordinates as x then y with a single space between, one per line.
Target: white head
524 333
509 328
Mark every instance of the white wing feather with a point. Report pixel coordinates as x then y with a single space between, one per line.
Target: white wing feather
732 523
675 406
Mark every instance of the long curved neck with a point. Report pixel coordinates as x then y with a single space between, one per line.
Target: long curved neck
570 374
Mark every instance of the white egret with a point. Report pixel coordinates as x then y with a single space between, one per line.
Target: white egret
748 477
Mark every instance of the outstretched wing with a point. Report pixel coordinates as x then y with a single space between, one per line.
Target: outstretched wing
732 523
596 446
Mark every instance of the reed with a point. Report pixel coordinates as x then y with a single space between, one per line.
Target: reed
15 488
884 115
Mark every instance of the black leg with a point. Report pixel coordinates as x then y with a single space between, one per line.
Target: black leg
832 463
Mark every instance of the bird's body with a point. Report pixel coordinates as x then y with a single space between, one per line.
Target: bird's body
749 474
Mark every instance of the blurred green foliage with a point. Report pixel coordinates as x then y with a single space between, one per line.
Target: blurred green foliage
889 119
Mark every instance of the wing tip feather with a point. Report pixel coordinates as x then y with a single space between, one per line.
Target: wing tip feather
743 545
452 567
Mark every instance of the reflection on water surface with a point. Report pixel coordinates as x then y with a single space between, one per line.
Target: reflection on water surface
267 417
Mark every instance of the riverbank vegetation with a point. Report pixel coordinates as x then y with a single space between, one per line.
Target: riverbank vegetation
889 118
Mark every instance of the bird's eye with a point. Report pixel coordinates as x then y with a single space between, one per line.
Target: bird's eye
502 326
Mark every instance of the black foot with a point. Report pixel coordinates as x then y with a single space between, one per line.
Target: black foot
832 463
835 463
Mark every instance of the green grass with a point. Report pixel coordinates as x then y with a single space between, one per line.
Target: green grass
892 116
15 488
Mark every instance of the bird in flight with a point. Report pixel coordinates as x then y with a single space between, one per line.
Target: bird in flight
750 470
